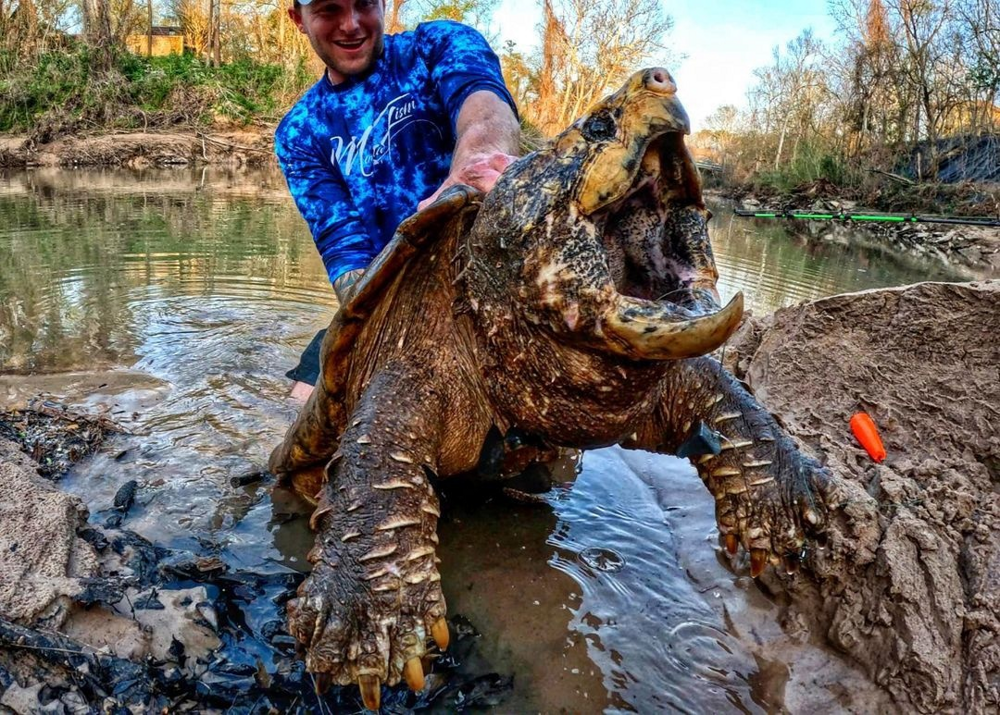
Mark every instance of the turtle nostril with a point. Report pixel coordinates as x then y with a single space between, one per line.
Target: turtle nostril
661 81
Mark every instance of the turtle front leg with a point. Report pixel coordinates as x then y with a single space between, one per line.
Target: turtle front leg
374 597
769 495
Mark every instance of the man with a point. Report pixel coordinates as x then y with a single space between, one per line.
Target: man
394 121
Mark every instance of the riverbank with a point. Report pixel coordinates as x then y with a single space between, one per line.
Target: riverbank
971 246
977 247
253 146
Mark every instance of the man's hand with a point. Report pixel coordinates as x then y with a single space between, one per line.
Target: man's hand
487 140
481 173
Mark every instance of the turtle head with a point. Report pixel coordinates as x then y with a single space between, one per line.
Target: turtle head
603 235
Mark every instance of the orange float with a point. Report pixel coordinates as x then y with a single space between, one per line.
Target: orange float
867 434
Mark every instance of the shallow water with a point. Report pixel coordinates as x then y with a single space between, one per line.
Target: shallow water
177 299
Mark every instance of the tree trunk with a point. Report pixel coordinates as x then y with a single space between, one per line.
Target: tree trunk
781 142
211 32
217 34
395 23
97 31
149 38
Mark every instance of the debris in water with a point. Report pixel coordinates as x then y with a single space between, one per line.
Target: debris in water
54 435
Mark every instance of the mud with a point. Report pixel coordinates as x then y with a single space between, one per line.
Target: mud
96 619
53 436
139 150
909 583
43 563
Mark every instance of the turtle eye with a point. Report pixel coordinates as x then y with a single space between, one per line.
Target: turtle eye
599 127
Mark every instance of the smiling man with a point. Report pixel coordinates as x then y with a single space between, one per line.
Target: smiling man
394 121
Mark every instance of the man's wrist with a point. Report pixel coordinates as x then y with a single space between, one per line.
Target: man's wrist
345 284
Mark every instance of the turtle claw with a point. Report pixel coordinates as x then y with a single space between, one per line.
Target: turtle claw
790 563
371 691
440 633
732 544
322 682
414 674
758 562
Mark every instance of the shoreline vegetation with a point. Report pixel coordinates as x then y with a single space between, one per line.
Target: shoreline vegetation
897 113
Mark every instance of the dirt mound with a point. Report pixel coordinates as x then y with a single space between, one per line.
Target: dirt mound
142 149
909 584
42 561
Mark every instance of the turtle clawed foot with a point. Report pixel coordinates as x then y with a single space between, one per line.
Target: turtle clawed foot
776 519
353 638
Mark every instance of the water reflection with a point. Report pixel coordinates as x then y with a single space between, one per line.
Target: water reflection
776 267
89 261
186 294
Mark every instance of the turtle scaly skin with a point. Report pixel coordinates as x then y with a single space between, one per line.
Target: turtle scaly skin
573 304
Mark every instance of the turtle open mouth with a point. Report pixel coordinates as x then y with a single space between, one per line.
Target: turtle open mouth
660 260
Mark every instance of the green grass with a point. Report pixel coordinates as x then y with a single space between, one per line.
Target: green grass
61 89
810 164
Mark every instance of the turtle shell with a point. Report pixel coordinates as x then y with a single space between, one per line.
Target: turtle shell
310 441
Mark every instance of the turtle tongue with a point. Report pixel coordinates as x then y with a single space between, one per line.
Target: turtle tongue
651 330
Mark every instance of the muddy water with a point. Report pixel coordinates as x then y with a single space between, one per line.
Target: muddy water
178 299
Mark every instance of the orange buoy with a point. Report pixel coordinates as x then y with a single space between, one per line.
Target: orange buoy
867 434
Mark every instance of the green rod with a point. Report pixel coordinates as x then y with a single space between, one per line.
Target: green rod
891 218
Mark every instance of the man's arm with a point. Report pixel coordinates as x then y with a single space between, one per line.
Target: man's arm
487 143
324 201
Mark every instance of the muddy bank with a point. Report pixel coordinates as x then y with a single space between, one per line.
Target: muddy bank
94 618
910 581
906 588
974 246
142 149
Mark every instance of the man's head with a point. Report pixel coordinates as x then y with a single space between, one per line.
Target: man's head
346 34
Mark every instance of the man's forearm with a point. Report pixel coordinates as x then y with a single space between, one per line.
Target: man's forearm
486 125
487 142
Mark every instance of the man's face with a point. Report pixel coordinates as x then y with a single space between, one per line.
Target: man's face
346 34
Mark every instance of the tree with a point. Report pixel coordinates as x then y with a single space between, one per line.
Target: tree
589 47
981 21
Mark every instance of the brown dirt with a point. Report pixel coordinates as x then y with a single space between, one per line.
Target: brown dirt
909 584
142 149
43 562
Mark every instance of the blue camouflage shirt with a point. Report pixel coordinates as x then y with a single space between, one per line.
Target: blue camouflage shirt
358 156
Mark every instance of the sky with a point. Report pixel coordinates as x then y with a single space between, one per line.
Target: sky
722 42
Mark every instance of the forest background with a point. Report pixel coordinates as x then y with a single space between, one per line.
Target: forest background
905 88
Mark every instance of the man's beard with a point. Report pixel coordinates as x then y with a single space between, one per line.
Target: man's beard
352 69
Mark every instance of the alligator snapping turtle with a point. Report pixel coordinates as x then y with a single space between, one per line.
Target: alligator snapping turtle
571 303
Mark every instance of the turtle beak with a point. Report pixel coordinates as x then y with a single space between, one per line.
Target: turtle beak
650 330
